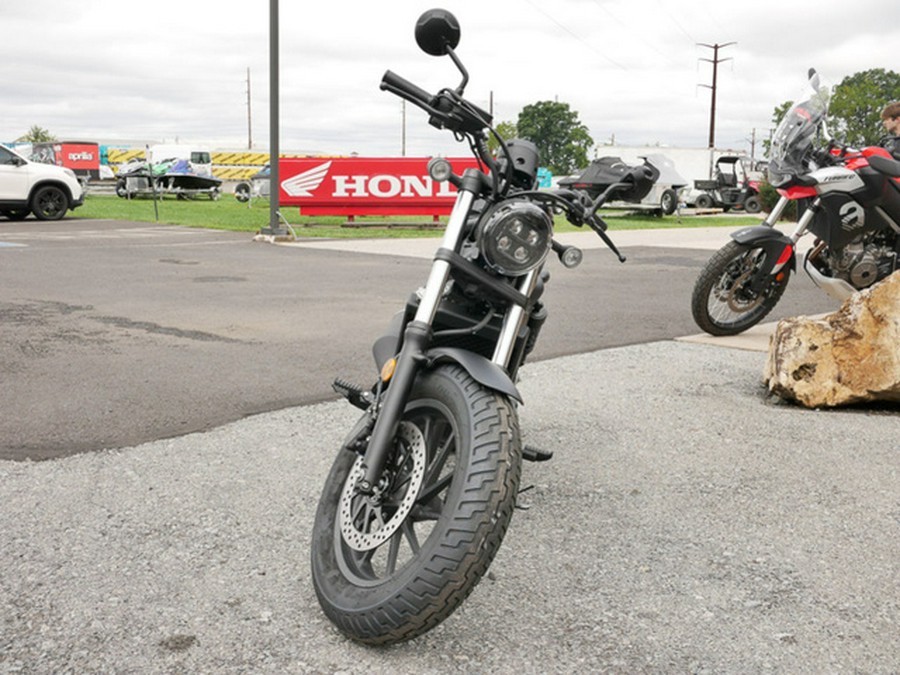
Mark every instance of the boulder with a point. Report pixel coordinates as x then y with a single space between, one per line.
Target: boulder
849 356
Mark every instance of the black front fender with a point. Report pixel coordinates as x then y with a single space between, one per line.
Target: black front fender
482 370
772 242
388 345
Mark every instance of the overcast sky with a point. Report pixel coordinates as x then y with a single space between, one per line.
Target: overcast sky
633 70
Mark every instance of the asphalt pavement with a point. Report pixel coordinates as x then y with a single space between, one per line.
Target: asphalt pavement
687 523
117 333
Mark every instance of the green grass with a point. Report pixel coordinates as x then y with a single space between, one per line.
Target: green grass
228 214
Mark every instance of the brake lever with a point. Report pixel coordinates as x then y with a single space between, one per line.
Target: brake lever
587 213
597 224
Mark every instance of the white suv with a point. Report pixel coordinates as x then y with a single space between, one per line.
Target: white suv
45 190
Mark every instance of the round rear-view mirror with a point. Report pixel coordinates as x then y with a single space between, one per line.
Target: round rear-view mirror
436 30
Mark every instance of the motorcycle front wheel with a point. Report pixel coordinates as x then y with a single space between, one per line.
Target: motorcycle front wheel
723 302
390 566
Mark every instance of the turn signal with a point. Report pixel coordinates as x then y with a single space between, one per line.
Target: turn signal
387 370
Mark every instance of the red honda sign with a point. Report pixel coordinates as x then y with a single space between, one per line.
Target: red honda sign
356 186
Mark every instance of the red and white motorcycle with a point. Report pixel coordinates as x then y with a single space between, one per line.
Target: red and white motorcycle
848 199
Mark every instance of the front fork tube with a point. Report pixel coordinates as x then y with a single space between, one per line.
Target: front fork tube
416 340
806 219
762 277
776 211
803 221
512 322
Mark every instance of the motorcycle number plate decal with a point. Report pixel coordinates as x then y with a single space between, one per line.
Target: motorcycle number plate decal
853 216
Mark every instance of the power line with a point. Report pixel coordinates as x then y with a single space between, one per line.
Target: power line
638 35
675 21
581 40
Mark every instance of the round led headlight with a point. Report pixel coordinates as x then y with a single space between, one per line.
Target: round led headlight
516 238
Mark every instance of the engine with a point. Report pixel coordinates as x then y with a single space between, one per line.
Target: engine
862 263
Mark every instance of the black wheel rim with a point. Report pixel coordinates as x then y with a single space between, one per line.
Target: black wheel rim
732 300
383 561
51 203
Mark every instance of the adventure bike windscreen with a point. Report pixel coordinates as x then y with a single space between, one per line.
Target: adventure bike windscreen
794 137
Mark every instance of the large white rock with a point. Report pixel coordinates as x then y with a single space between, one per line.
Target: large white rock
849 356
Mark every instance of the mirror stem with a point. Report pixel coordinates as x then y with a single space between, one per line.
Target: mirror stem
462 85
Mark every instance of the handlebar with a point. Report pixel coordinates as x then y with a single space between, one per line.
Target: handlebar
446 109
405 89
449 110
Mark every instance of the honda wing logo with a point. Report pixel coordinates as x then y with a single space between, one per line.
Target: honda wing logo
304 184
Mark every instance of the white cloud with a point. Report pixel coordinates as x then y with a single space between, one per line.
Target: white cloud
630 68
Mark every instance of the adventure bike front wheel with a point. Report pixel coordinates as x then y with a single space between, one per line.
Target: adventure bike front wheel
723 301
391 565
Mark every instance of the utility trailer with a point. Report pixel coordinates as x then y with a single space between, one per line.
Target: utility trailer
172 177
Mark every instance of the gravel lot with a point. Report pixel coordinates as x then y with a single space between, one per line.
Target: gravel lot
686 524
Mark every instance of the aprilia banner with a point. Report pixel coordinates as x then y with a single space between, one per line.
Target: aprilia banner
82 158
357 186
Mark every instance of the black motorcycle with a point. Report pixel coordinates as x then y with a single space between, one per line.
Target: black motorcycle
423 488
849 199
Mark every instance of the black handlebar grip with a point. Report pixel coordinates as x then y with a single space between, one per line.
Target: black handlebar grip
403 87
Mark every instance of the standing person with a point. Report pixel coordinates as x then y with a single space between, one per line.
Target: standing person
890 117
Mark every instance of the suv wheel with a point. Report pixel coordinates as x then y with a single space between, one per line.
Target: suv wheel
16 214
49 203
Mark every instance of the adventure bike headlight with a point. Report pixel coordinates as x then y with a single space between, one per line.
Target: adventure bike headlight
516 238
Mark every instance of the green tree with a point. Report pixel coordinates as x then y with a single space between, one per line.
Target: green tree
507 131
37 134
561 138
856 106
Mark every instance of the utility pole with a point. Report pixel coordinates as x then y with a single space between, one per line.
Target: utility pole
249 123
275 228
715 60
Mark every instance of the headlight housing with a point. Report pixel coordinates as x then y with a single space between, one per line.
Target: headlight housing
516 238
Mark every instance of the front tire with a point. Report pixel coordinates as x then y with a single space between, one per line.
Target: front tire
391 567
723 302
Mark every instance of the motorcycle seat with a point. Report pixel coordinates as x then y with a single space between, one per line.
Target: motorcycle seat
889 167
